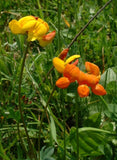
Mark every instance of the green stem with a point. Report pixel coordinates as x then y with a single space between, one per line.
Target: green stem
59 19
77 132
64 123
40 10
31 150
100 10
42 117
21 141
2 153
64 132
102 99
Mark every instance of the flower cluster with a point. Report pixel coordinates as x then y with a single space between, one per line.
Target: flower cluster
34 27
72 73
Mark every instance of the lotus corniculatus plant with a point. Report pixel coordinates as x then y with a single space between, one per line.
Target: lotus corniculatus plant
72 73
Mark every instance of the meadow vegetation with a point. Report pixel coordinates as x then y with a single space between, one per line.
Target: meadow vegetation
57 124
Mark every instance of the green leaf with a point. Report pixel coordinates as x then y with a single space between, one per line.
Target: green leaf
46 154
3 67
93 120
112 111
2 152
53 129
89 140
108 76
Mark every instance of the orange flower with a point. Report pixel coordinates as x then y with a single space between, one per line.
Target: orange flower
71 72
63 82
46 39
34 27
88 79
99 90
63 54
92 68
59 64
83 90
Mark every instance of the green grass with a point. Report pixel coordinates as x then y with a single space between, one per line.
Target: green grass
97 116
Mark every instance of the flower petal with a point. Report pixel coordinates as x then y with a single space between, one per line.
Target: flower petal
33 26
71 72
39 30
15 27
63 54
76 62
99 90
88 79
92 68
59 64
72 58
63 82
25 19
29 25
83 90
47 39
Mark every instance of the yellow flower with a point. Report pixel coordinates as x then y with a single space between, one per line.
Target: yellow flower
22 26
39 30
33 26
59 64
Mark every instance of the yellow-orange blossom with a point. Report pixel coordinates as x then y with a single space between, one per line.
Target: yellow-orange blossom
34 27
72 73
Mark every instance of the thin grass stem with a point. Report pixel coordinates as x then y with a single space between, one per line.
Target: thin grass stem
64 133
64 123
59 20
81 31
31 150
42 117
77 123
20 138
2 152
102 99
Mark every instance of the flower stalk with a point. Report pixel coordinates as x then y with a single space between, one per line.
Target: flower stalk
82 30
77 132
59 19
42 117
31 150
